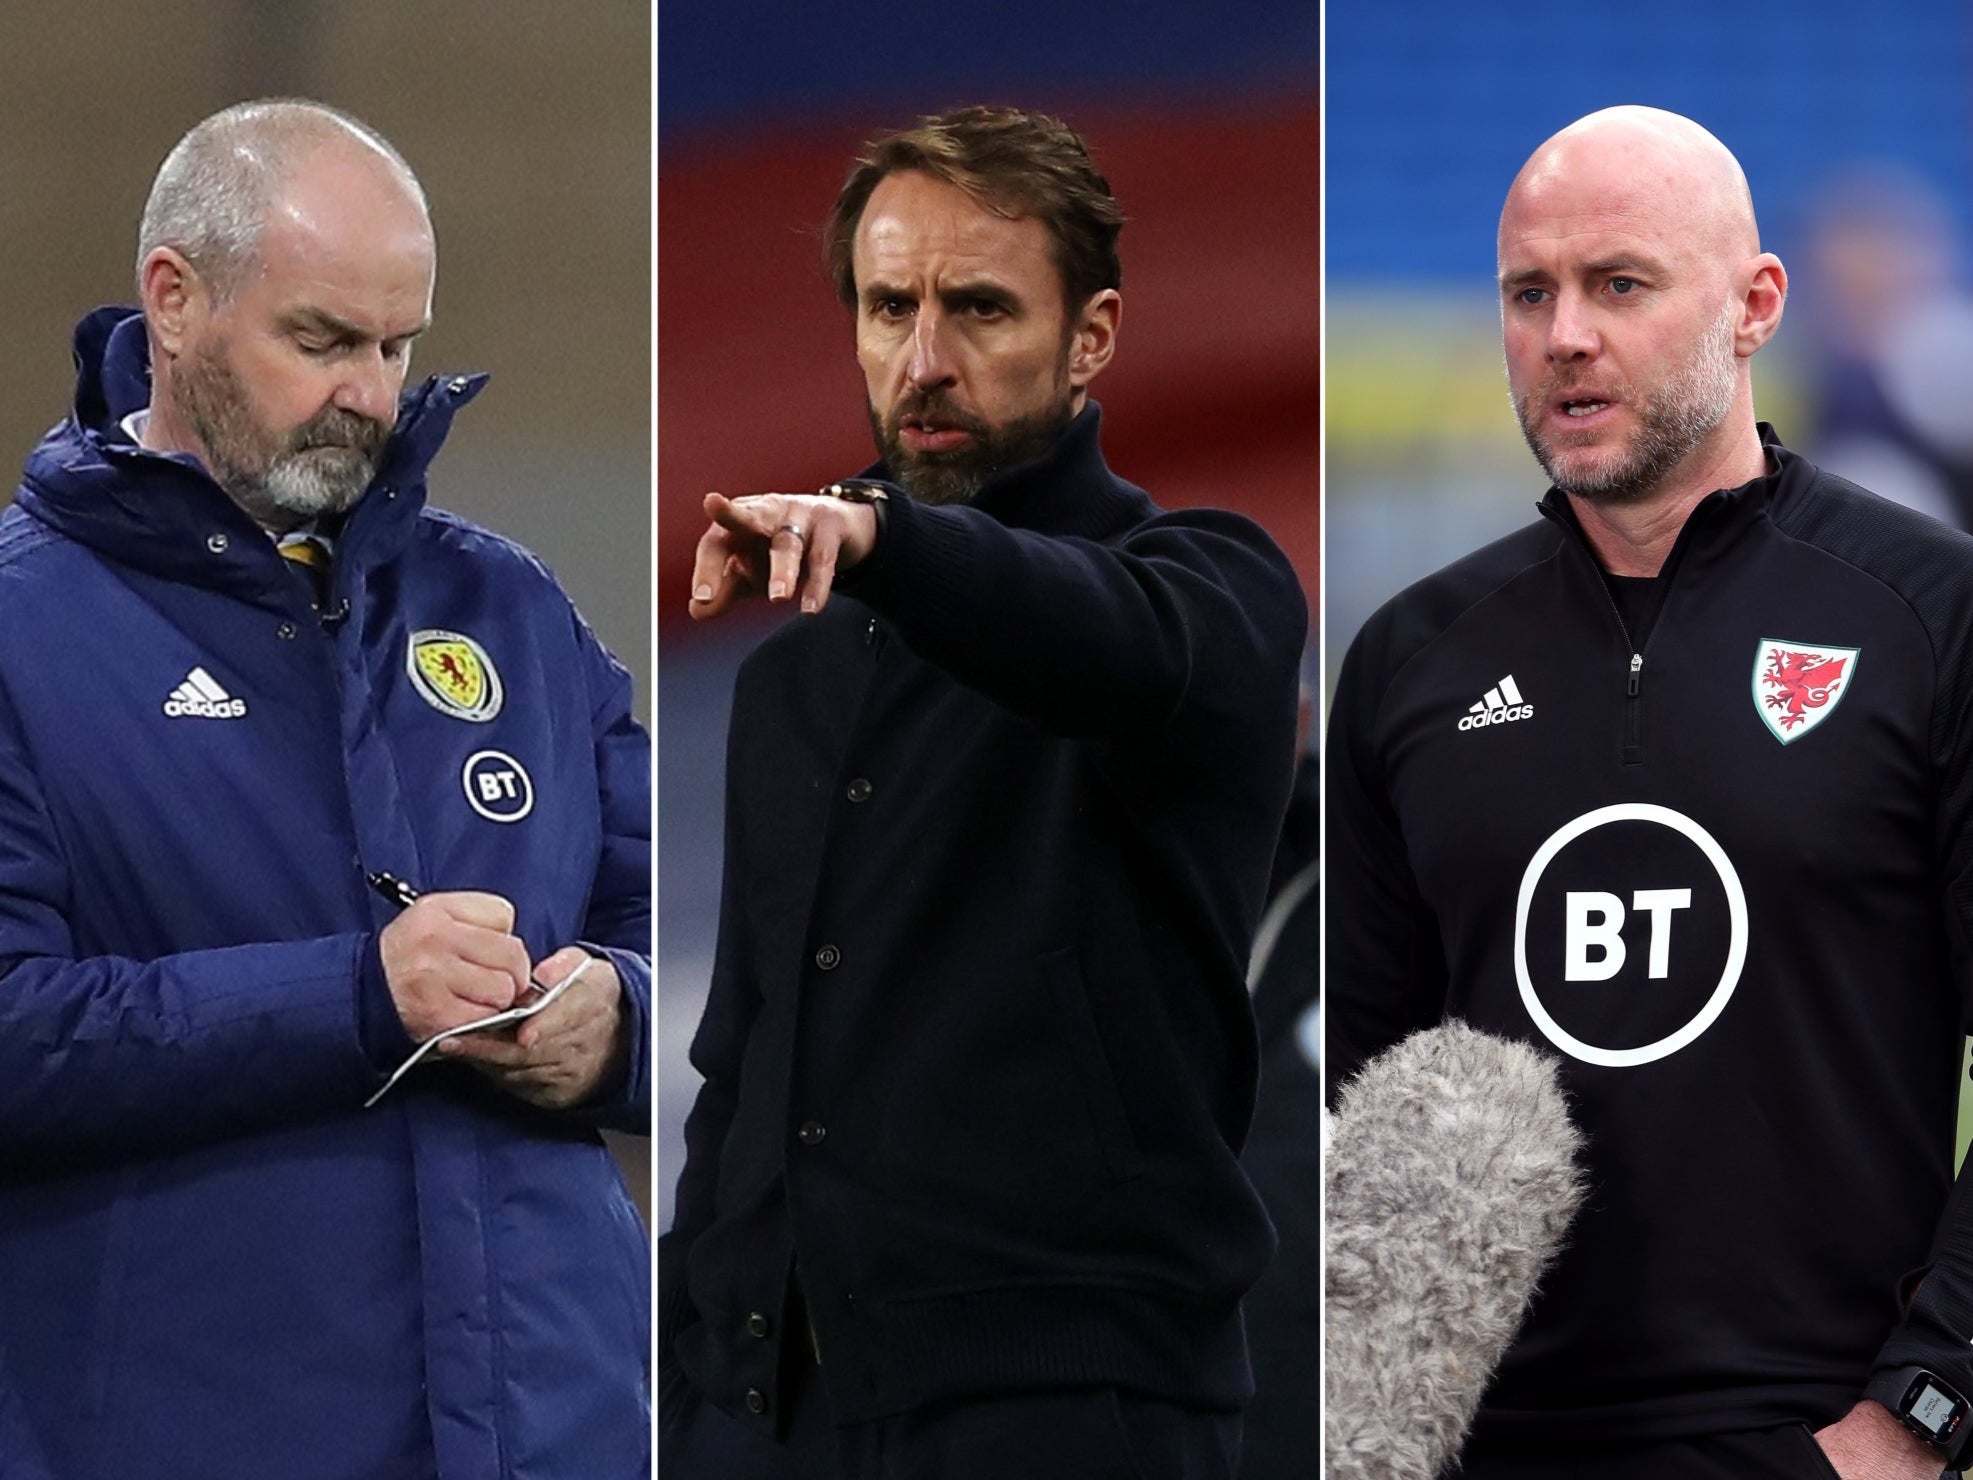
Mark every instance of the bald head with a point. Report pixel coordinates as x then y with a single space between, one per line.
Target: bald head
286 267
1633 294
218 189
1658 168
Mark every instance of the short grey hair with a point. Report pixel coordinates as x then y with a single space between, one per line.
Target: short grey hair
213 192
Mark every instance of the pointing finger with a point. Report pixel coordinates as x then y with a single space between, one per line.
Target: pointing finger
754 517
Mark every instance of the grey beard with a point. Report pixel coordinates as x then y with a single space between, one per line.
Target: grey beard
1672 422
318 481
322 467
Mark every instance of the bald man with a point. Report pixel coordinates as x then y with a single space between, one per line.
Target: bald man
296 776
1674 784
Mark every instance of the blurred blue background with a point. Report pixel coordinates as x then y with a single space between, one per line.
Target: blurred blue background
1855 127
774 65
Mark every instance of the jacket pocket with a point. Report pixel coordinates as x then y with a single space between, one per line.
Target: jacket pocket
1062 971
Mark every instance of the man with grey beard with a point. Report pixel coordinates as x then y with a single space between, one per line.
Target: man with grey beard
248 370
961 1194
300 777
1674 783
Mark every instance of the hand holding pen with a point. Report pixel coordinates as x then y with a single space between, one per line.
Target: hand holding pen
395 891
454 968
450 958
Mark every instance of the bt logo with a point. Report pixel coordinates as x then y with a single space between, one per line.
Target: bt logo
497 786
1679 934
1596 923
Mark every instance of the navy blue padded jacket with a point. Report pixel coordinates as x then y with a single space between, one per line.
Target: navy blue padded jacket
213 1262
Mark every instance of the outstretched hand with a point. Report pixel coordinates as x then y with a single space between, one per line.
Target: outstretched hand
779 545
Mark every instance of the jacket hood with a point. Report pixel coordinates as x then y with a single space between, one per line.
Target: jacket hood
162 513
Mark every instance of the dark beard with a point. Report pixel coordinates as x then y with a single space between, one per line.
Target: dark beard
321 467
957 477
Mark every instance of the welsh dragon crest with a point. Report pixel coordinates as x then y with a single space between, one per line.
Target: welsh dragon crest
1798 685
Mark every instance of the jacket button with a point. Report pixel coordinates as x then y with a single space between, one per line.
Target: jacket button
859 790
870 632
756 1401
811 1133
828 958
217 543
286 631
757 1326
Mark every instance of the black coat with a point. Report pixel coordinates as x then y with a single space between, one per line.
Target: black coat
978 1051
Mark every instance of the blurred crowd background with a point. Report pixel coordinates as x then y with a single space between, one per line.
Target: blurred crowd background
530 126
1856 132
1204 120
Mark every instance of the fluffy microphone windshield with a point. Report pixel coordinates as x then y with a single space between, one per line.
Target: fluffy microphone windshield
1451 1178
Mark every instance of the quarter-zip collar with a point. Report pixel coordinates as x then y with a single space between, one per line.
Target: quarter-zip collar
161 513
1718 518
1713 527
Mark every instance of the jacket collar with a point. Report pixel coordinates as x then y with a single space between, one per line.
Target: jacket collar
1068 490
161 513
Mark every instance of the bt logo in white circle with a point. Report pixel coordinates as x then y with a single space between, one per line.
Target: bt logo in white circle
1595 945
497 786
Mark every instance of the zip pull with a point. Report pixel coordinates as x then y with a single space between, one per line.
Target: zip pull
1636 664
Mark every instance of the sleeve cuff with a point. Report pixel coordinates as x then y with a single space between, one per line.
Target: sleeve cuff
625 1103
378 1027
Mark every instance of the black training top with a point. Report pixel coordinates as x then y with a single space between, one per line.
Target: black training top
1723 873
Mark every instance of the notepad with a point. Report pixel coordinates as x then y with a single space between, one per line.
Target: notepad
480 1025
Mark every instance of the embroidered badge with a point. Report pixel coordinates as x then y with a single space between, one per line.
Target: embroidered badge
454 675
1798 686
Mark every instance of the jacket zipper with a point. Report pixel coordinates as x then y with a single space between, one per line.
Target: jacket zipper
1633 732
1634 673
1633 721
1633 751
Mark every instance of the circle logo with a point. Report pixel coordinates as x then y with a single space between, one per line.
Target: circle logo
497 786
1596 951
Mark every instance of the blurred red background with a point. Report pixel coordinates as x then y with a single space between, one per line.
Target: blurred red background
1213 396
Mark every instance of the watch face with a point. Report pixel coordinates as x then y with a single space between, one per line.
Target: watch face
1937 1412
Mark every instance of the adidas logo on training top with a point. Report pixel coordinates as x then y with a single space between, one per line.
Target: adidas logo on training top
201 697
1502 704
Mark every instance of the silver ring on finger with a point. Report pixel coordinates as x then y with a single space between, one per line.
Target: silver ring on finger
800 534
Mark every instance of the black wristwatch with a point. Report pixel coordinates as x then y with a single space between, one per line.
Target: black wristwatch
1930 1407
861 491
858 491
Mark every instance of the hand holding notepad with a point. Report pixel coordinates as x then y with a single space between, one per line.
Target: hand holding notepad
541 997
450 952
